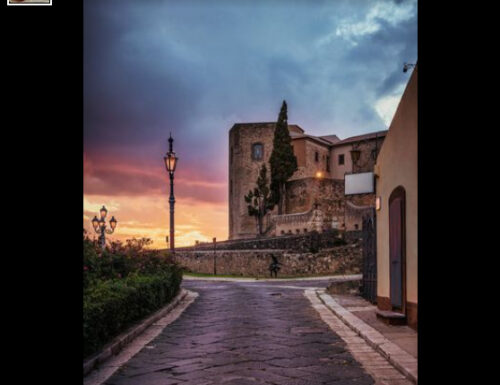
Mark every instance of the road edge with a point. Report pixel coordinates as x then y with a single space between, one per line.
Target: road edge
119 342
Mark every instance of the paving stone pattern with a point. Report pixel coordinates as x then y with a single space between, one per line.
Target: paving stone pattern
239 333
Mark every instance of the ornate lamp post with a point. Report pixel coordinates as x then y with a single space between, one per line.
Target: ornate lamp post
100 226
171 163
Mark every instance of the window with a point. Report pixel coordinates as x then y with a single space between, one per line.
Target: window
231 156
341 159
257 151
327 164
316 156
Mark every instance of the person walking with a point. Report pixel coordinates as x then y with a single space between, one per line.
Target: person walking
274 267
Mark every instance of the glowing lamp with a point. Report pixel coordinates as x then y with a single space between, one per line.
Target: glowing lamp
113 223
319 174
170 161
95 222
103 212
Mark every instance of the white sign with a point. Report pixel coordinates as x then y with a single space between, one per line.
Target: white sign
361 183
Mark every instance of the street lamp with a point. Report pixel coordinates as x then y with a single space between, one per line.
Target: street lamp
407 66
171 163
215 255
99 226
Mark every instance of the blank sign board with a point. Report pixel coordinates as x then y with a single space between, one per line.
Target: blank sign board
361 183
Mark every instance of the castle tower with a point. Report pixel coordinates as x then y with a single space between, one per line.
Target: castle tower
250 145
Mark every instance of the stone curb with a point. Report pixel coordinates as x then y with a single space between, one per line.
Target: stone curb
400 359
119 342
340 278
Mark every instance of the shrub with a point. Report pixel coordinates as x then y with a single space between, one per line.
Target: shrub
120 261
122 284
110 306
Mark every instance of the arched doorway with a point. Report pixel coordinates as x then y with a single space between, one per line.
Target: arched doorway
397 249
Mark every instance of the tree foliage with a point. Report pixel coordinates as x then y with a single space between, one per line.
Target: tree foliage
282 161
259 200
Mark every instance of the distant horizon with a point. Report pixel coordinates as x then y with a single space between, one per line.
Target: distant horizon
196 69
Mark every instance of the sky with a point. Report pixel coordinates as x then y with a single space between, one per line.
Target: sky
194 68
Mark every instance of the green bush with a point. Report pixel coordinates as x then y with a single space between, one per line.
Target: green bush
121 285
110 306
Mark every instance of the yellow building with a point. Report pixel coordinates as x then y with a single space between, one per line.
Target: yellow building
397 213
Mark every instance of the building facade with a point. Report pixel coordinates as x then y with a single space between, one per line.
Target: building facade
397 188
315 197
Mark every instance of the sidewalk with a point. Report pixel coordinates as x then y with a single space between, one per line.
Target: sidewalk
399 344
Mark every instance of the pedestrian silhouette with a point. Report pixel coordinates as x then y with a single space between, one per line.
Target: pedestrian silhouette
274 267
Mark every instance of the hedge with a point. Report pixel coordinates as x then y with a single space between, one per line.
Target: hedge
111 306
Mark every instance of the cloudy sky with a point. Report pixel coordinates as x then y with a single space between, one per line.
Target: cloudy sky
194 68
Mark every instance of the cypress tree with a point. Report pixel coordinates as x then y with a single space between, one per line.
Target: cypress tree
259 200
282 161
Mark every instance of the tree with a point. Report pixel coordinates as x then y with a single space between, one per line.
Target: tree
282 161
259 200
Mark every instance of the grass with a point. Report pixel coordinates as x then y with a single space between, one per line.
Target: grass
205 275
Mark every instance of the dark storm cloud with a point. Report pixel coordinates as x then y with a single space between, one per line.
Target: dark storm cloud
196 68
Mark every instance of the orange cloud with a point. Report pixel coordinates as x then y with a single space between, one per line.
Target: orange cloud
148 216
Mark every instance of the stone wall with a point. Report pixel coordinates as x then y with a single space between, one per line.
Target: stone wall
296 243
369 150
338 260
338 211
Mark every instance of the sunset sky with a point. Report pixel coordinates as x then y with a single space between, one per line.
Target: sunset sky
194 68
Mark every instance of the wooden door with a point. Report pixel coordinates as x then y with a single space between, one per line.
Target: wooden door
397 248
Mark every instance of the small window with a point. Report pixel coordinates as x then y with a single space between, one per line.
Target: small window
327 164
341 159
231 156
297 231
282 232
356 226
257 151
316 156
305 230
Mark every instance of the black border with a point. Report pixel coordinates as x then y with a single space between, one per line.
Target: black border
43 171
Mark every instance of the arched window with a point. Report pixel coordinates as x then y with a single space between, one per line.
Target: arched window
257 151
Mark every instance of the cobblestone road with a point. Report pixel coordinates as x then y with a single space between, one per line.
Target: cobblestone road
245 334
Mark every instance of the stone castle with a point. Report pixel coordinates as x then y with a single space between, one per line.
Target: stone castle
315 198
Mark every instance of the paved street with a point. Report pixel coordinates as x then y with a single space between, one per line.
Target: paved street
245 333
